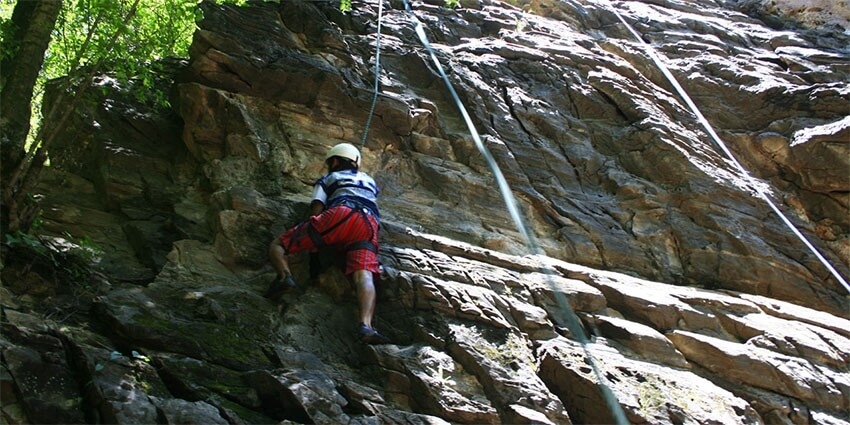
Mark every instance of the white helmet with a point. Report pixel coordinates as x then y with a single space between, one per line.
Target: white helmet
345 150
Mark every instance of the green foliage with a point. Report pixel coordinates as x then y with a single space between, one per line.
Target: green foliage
650 398
8 42
85 248
452 4
21 239
28 240
6 8
345 6
444 379
123 37
71 258
514 350
521 24
119 36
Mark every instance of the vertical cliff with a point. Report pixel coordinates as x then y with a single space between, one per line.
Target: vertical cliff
698 302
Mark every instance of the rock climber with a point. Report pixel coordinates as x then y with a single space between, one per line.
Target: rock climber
343 216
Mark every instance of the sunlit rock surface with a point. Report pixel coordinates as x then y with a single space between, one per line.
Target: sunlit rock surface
695 302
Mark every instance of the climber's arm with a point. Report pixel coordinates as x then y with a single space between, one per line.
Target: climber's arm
316 207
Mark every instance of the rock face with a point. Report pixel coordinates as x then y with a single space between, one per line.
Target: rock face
655 274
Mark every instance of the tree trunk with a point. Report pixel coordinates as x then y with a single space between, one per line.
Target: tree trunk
34 21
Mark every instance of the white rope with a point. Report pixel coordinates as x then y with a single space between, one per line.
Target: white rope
377 74
762 194
571 319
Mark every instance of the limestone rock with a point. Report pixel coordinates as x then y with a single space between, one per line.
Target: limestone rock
818 386
38 377
650 272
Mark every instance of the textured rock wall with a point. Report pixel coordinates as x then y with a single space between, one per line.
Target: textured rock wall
699 304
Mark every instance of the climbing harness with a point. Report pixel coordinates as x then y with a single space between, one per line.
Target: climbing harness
318 237
571 318
717 140
377 74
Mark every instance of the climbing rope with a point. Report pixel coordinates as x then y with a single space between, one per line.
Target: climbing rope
571 319
377 74
500 179
761 193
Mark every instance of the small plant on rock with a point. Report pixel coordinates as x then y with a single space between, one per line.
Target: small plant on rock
651 399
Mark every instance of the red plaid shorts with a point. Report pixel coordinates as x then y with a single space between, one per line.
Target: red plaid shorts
351 230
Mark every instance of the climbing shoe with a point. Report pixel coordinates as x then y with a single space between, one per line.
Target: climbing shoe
280 286
371 336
